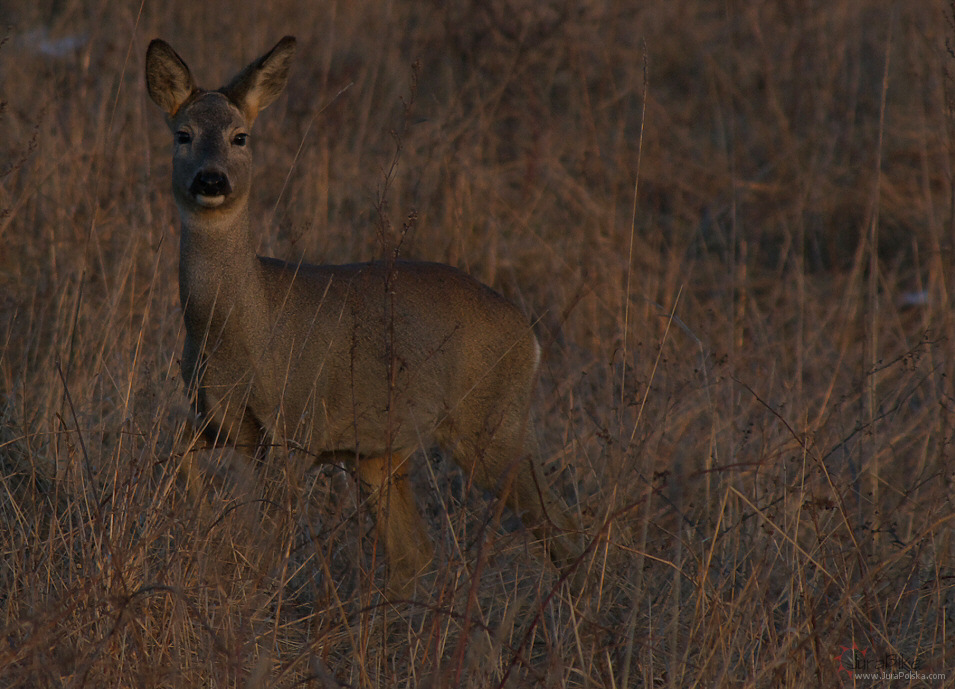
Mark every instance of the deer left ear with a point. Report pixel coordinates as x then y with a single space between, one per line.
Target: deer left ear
168 79
259 84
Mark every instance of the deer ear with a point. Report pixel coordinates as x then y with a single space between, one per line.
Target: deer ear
259 84
168 80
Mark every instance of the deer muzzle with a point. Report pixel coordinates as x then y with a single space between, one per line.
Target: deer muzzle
210 188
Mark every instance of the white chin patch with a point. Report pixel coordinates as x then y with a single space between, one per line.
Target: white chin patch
210 201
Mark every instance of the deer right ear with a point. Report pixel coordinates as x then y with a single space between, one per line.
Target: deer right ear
168 79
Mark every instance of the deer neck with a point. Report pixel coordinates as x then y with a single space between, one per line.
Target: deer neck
219 272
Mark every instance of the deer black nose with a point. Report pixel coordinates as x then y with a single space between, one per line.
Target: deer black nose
210 183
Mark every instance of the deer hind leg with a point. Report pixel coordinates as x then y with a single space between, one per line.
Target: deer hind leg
545 513
397 521
503 461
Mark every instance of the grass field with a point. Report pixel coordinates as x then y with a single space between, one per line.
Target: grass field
732 225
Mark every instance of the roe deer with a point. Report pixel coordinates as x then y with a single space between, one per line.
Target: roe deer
369 362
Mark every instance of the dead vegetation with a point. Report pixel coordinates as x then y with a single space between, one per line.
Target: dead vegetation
747 386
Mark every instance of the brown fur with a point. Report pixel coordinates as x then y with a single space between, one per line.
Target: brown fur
369 361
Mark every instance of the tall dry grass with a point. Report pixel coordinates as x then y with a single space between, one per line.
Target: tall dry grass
748 380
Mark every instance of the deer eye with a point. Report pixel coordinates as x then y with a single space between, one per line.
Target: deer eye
240 139
182 137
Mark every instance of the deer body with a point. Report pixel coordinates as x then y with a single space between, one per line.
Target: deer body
367 361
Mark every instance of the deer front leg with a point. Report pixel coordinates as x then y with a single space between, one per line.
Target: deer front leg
398 523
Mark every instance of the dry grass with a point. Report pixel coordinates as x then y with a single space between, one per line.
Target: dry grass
748 384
